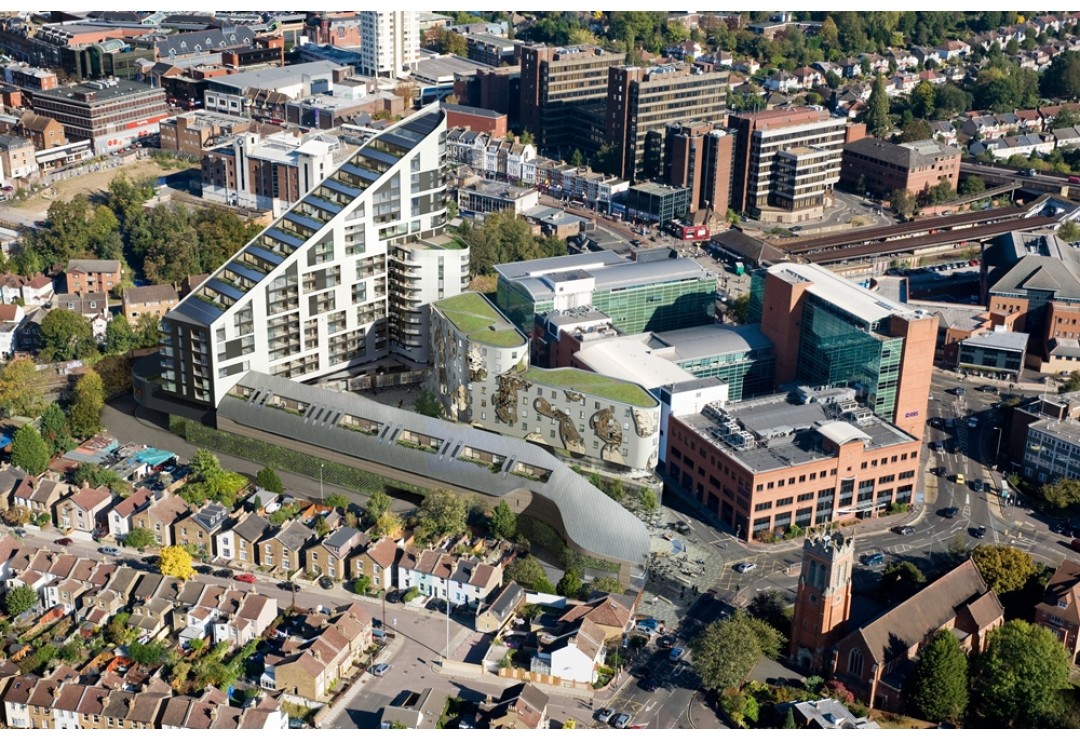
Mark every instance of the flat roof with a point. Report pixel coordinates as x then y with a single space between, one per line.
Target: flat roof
631 359
120 89
273 77
474 316
591 519
583 381
537 267
1008 340
434 69
840 292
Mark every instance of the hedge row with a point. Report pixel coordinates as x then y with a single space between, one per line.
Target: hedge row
282 458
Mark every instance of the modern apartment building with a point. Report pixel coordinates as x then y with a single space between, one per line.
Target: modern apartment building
269 174
194 132
482 376
110 113
880 167
642 101
786 161
766 465
555 82
389 42
654 292
828 332
699 157
340 281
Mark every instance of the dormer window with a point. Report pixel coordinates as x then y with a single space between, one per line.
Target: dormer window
1062 604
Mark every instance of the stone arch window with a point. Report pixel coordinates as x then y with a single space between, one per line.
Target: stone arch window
855 662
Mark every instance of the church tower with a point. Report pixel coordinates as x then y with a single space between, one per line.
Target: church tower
823 600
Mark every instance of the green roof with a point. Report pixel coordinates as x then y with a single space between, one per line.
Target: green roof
584 381
480 321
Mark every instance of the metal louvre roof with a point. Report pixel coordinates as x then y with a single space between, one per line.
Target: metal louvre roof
591 520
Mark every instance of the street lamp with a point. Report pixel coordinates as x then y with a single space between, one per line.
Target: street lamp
448 621
997 447
321 466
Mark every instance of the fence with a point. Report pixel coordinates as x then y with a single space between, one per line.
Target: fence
521 674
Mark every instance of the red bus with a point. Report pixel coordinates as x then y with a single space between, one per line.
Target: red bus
689 232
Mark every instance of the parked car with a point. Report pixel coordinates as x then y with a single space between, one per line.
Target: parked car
604 714
19 532
437 605
223 573
112 551
326 583
745 567
204 570
380 669
289 586
65 542
666 642
394 597
245 577
676 654
622 720
648 625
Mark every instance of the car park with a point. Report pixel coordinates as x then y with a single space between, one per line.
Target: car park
380 669
745 567
245 577
622 720
949 512
605 714
113 551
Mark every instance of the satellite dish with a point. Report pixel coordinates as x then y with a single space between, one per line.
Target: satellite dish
271 508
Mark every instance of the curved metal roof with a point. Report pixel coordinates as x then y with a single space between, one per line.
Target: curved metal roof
592 520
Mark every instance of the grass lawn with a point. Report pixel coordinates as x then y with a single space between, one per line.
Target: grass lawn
474 317
597 385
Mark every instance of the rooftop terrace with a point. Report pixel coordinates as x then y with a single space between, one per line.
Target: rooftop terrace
584 381
477 319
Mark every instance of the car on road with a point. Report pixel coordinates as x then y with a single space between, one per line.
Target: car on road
649 684
113 551
959 479
604 714
936 446
289 586
978 532
223 573
986 389
1028 173
937 471
873 559
676 654
977 485
621 720
958 390
949 512
745 567
905 530
65 542
245 577
380 669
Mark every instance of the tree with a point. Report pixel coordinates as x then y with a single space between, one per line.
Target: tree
1069 231
84 415
271 481
771 607
428 404
388 524
972 185
119 336
54 429
378 503
19 392
95 476
204 464
140 538
903 202
176 562
876 115
830 38
1019 677
442 513
789 720
923 99
726 651
939 689
916 129
576 159
1003 568
151 653
900 580
337 501
738 309
456 44
29 451
503 523
569 724
147 331
1062 78
570 584
649 501
527 571
608 585
65 335
19 600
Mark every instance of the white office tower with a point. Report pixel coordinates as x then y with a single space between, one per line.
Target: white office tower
341 281
389 42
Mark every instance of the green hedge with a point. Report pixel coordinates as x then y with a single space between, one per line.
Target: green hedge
282 458
540 533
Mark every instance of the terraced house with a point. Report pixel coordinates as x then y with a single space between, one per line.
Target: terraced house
339 282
